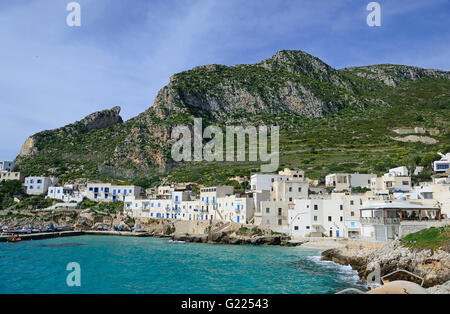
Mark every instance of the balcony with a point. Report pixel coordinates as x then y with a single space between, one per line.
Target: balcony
380 221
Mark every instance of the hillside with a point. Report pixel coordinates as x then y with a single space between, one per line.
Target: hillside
330 120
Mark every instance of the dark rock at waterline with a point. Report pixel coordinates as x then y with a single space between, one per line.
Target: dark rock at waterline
168 229
225 238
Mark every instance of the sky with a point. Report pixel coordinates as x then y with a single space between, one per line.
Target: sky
125 51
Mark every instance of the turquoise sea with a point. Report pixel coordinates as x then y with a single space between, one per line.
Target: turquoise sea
147 265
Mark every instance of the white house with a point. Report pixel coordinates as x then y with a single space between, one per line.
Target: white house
347 181
6 166
146 208
66 193
291 185
9 176
208 200
190 210
262 181
39 185
400 172
258 198
274 215
235 208
442 165
390 183
106 192
317 218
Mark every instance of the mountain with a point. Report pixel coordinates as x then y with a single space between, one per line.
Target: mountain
330 120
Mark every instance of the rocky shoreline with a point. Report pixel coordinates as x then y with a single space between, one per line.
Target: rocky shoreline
433 267
225 238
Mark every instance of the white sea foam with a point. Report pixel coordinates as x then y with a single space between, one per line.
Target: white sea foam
345 272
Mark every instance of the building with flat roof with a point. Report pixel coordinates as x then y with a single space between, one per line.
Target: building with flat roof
385 221
39 185
442 165
9 176
6 166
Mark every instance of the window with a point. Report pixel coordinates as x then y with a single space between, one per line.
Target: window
280 222
352 203
290 199
279 211
405 183
315 218
342 219
296 228
290 189
268 210
329 218
341 207
352 214
316 207
300 189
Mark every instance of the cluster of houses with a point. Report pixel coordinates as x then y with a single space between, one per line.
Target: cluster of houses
360 206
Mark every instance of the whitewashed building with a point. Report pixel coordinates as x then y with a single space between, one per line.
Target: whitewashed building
234 208
190 210
317 218
442 165
39 185
152 209
274 215
385 221
10 176
6 166
66 193
347 181
106 192
390 183
263 181
208 200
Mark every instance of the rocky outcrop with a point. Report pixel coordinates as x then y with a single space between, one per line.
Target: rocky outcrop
434 267
392 75
440 289
235 239
416 139
94 121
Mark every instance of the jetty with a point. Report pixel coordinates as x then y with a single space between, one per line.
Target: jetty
62 234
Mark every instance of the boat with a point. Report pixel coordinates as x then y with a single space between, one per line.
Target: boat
14 239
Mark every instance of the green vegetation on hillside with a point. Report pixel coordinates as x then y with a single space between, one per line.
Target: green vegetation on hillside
432 239
354 112
110 208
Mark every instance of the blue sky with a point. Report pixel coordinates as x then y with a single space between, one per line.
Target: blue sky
126 50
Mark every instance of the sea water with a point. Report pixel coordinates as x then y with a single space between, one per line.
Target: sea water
148 265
